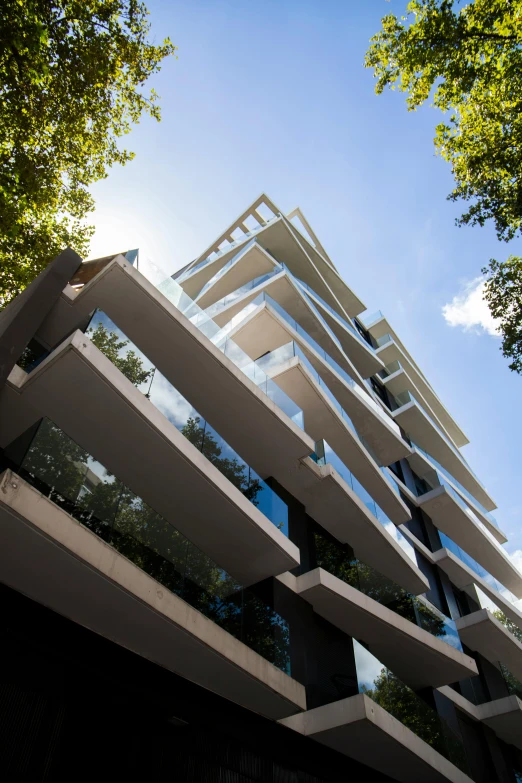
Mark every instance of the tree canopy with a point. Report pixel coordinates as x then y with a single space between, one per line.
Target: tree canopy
72 74
468 59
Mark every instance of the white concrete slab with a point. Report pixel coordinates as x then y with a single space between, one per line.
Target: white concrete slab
324 421
482 632
190 362
335 506
417 657
358 727
48 556
264 330
451 517
85 395
465 578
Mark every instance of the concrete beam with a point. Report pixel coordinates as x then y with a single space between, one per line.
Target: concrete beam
415 656
22 317
452 518
482 632
75 573
87 397
361 729
191 362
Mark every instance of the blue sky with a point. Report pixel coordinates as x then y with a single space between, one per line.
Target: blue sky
273 97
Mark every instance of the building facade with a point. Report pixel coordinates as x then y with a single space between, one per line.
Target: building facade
238 538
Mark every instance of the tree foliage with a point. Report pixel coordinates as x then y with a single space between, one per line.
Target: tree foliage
470 60
72 77
503 293
100 501
129 363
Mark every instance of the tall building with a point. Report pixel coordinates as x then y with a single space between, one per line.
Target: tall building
238 538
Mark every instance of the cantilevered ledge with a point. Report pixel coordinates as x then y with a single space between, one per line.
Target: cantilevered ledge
264 330
335 506
503 716
288 246
87 397
417 657
465 578
363 730
395 350
324 421
422 430
452 518
48 556
191 362
295 300
482 632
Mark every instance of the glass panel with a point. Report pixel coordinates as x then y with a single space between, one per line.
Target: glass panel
457 483
324 454
449 544
383 687
66 473
187 420
514 686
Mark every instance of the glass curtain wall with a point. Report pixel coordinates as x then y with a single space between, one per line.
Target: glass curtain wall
63 471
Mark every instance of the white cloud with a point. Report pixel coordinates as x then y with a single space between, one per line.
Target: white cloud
469 310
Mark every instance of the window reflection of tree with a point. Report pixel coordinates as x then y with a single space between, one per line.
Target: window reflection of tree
59 467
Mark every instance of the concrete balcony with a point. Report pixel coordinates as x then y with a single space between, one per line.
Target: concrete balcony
264 329
482 632
249 262
398 382
452 516
88 398
465 578
503 716
363 730
392 349
333 333
336 507
43 549
324 419
417 657
288 292
190 361
424 432
289 247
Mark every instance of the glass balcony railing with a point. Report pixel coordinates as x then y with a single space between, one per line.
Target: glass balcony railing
369 320
325 455
383 340
347 325
219 252
219 336
227 300
451 546
263 297
284 353
513 685
384 688
188 421
339 559
445 473
276 358
391 369
63 471
404 398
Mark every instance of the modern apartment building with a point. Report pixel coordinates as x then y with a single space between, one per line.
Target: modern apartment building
238 538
